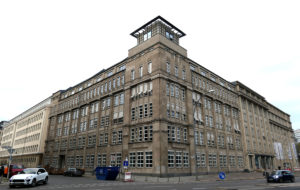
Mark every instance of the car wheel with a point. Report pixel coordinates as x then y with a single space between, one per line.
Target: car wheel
11 186
281 180
45 181
293 180
33 183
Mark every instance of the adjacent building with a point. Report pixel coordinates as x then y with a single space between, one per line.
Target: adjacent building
26 133
2 124
268 134
297 135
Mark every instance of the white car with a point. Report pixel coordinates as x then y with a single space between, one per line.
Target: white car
29 176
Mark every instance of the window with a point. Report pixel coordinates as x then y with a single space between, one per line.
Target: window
132 74
185 159
106 138
203 160
145 110
232 161
148 159
212 160
118 79
132 114
183 94
101 138
170 159
240 161
178 134
185 135
183 75
223 160
114 83
120 136
150 110
140 111
176 71
140 159
114 137
201 138
178 159
172 90
168 67
122 99
147 35
132 159
167 89
141 71
150 67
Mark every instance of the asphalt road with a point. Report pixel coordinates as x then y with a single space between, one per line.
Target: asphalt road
89 183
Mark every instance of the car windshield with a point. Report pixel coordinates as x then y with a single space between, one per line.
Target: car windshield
276 172
28 171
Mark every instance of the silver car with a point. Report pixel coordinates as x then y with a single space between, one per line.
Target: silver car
29 177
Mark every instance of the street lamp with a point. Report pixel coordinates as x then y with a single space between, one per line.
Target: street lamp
195 145
10 150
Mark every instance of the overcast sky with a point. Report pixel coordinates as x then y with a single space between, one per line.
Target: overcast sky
46 46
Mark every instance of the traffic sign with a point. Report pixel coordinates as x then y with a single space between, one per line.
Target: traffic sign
125 163
222 175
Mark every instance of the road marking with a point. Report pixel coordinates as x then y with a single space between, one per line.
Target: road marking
157 186
195 188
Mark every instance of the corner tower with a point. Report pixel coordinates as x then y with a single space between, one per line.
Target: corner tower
157 30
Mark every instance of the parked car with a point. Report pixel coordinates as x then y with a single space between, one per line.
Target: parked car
73 172
29 177
13 170
281 176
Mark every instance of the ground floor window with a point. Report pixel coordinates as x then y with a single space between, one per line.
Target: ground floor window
232 161
178 159
223 160
212 160
170 159
240 161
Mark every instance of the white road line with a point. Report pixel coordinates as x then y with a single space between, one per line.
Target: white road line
157 186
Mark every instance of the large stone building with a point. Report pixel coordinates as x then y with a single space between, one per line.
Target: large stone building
165 113
26 133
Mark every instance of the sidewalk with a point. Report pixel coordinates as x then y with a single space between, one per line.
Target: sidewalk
203 178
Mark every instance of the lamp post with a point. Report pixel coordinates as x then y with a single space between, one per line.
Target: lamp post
195 145
10 150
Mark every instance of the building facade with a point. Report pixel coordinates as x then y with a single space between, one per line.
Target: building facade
2 124
27 134
297 135
161 111
268 139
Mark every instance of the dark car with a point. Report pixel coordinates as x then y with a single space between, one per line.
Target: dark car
73 172
281 176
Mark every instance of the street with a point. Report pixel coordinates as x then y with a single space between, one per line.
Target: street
74 183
